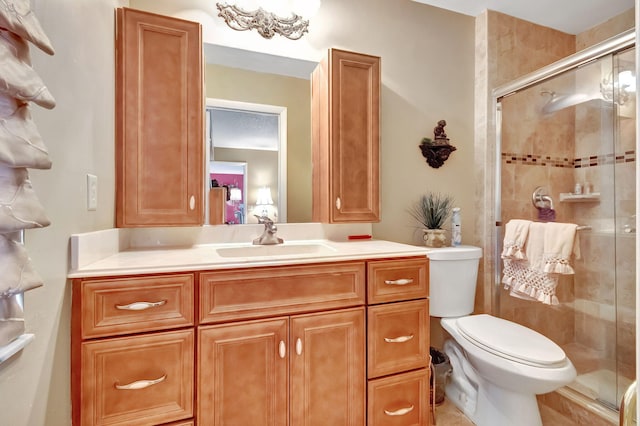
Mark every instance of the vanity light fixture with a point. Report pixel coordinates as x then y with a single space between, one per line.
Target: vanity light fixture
246 15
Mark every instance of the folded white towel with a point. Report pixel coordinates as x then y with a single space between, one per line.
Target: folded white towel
560 242
515 237
526 278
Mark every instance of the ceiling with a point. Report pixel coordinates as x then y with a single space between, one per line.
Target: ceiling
562 15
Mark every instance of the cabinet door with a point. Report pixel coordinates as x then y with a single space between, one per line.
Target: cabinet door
398 337
346 138
243 370
399 400
159 121
138 380
327 368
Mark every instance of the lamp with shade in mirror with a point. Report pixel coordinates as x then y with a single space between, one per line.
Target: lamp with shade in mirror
264 204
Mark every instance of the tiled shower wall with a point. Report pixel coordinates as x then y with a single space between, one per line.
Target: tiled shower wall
508 48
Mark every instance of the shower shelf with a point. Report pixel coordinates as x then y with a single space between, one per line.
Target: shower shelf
568 197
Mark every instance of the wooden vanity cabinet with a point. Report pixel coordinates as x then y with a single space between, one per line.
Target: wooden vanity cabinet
398 342
286 345
159 120
133 350
303 369
345 123
339 343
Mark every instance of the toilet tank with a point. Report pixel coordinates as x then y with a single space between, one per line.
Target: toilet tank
453 272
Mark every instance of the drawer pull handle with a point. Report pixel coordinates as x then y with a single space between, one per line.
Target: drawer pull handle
140 306
299 346
400 412
401 281
141 384
400 339
282 349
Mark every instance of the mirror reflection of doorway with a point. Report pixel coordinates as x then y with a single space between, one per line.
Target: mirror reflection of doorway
253 135
232 176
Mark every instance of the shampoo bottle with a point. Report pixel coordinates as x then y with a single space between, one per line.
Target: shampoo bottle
456 227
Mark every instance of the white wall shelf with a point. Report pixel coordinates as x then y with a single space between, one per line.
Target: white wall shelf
568 197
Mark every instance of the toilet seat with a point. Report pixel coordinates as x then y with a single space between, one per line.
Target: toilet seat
511 341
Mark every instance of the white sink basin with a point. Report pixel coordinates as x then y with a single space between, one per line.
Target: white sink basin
275 250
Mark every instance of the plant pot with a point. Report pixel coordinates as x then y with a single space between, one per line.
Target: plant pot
434 237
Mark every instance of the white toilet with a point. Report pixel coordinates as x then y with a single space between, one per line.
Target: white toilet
498 366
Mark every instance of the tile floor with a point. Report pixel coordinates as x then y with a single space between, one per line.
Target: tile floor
447 414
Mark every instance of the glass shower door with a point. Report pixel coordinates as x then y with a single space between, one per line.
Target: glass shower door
574 135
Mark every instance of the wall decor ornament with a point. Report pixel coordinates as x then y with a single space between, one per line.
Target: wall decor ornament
438 149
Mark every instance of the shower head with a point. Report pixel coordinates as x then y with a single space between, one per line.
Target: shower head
558 102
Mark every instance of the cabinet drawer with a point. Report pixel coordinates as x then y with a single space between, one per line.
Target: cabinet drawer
132 305
258 292
398 279
398 337
399 400
140 380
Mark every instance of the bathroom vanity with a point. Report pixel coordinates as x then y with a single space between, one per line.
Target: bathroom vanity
197 325
337 334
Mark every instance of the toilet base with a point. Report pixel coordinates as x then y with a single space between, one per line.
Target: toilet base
482 401
497 406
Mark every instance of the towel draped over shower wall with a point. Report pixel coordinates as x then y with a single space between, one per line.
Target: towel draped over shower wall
21 148
534 255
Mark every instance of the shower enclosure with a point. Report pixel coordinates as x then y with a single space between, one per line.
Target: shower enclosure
568 132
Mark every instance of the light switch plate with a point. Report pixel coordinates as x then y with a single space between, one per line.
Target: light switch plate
92 192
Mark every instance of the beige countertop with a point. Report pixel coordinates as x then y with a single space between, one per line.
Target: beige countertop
108 253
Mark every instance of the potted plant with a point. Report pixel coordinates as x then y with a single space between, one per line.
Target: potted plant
431 211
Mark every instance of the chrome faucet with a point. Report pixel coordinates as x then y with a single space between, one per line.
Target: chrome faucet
268 236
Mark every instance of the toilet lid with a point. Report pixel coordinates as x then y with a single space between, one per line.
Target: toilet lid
510 340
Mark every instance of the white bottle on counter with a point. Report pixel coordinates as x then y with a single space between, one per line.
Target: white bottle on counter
456 227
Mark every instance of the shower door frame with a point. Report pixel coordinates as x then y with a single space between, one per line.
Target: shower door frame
615 44
611 46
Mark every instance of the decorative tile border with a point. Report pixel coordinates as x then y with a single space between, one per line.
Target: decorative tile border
575 163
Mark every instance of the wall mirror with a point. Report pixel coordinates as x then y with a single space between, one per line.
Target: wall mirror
247 149
238 80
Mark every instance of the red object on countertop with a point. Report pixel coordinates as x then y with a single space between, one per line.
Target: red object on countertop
359 237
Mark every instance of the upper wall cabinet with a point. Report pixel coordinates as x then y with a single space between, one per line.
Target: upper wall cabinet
159 120
345 90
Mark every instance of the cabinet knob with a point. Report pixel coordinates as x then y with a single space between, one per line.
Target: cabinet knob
400 339
299 346
282 349
400 412
141 384
402 281
140 306
338 203
192 202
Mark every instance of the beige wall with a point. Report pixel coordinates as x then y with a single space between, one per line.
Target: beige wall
427 73
79 132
